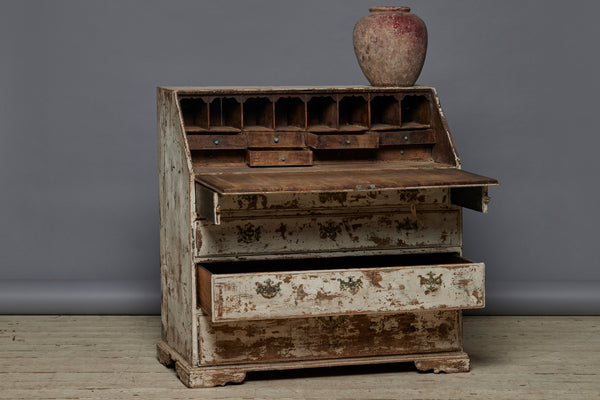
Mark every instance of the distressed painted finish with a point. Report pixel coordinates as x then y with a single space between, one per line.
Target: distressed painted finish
214 206
176 214
328 202
240 185
254 296
329 233
220 375
327 338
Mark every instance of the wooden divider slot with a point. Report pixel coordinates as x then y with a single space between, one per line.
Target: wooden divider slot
385 113
322 114
354 113
416 112
290 114
195 114
258 114
225 115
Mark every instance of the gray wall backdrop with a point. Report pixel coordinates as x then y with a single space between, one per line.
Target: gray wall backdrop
78 154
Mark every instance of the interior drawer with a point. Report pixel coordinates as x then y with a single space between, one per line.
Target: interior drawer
253 290
275 139
281 158
348 141
308 235
217 142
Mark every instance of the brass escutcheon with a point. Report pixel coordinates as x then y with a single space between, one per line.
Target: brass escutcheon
267 289
352 285
330 229
407 224
332 322
432 283
248 233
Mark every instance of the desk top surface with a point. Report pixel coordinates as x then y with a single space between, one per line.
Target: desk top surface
335 178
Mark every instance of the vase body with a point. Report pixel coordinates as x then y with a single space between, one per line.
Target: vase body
390 44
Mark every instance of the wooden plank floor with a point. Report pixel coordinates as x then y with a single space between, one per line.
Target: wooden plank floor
113 357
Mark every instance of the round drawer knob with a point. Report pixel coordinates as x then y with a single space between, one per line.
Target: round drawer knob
282 158
405 137
276 140
216 142
347 141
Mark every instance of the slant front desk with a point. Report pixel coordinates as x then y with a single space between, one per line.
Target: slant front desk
308 227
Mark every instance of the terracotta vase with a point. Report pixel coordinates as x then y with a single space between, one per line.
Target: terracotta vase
390 44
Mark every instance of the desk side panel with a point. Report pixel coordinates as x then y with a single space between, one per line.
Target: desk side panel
176 216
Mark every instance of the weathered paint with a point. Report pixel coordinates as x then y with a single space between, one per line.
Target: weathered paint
293 294
236 206
386 205
176 199
272 340
318 233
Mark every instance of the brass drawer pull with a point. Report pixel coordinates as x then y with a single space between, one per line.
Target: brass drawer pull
267 289
407 224
352 285
248 233
332 322
432 283
330 230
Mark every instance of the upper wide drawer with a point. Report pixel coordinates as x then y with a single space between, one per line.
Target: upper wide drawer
309 234
214 188
320 287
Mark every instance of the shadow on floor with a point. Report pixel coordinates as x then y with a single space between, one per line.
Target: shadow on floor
331 371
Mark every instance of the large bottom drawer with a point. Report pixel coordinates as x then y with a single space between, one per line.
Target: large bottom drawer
254 290
328 337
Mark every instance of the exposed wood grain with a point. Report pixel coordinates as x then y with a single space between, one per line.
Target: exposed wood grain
327 180
476 198
401 138
177 209
529 358
276 139
445 149
327 338
220 124
405 153
334 111
217 142
343 141
280 158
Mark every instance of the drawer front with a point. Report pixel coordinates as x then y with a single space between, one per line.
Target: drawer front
340 141
327 233
328 337
276 139
399 138
294 294
280 202
280 158
216 142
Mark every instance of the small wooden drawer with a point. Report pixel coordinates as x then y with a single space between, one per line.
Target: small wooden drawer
337 141
437 231
276 139
399 138
280 158
217 142
339 286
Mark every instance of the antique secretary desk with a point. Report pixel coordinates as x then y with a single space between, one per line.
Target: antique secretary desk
313 226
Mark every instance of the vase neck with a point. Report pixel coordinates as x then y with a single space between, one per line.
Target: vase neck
389 9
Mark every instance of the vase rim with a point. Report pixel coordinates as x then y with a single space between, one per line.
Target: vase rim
389 9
